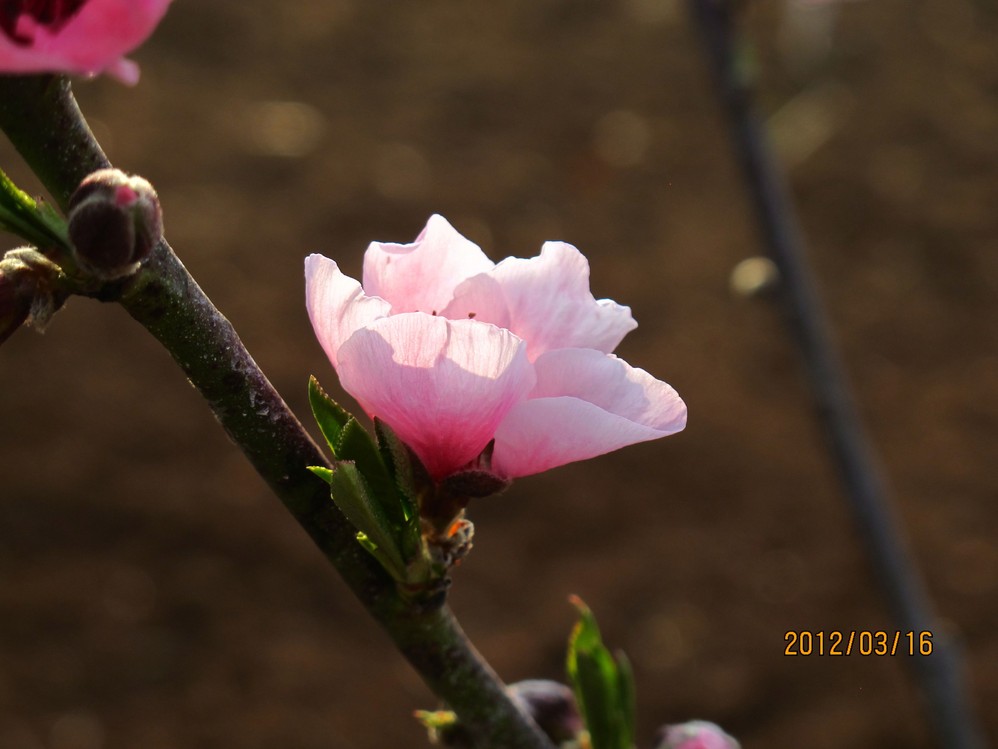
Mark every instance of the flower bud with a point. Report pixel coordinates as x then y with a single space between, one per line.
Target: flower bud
15 304
114 223
551 705
696 734
26 290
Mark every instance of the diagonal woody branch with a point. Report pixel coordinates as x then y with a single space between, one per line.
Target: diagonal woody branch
42 120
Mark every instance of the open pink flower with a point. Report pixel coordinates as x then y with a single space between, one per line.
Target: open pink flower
75 36
453 351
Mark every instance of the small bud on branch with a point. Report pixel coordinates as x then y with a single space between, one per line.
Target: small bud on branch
114 222
27 290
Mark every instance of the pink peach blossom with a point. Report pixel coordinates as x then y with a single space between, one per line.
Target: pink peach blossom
452 351
76 36
696 734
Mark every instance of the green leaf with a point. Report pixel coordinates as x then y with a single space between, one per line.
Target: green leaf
368 492
402 465
626 698
350 493
21 215
404 468
329 415
378 553
322 472
356 444
604 686
350 441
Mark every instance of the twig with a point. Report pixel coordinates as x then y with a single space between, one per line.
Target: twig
43 121
940 675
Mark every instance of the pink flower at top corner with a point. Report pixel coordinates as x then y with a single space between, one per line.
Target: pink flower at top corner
84 37
452 351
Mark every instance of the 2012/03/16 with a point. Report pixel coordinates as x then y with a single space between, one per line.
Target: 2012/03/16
863 642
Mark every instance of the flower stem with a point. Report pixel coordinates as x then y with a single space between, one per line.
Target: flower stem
42 120
940 675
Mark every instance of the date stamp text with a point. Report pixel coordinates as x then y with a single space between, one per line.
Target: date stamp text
856 642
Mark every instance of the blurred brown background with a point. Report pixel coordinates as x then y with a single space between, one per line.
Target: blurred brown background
154 594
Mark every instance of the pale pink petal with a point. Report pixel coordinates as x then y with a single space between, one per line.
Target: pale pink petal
479 298
442 385
612 384
336 304
125 70
422 276
548 302
93 40
585 403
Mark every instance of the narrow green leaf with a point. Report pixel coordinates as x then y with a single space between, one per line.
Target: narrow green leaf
404 468
378 553
351 495
603 686
55 223
597 697
356 444
329 415
367 543
322 472
401 464
21 215
627 700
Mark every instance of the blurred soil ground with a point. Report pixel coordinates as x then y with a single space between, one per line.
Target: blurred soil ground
154 594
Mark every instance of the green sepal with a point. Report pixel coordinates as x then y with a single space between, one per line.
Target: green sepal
322 472
603 685
351 495
21 215
473 483
329 415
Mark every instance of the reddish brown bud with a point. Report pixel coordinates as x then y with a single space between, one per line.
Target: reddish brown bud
551 705
114 222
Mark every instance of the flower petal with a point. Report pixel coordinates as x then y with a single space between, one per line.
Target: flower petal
479 298
612 384
585 404
547 302
696 734
336 304
93 40
422 276
442 385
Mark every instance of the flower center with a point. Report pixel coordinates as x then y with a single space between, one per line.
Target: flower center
19 19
